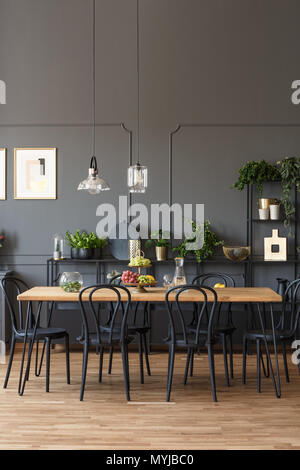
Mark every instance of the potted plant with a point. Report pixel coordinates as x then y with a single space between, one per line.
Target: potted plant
161 241
1 239
80 244
210 242
256 173
97 244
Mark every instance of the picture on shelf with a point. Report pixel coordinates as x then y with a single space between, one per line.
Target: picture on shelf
2 173
35 173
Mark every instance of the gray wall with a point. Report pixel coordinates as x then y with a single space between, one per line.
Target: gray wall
226 65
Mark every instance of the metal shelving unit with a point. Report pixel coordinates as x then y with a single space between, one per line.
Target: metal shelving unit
293 258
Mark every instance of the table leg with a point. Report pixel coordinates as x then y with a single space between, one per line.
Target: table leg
22 381
276 385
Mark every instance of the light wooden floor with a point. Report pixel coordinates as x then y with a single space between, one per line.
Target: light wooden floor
242 419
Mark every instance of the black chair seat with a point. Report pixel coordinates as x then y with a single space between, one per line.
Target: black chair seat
190 343
105 339
132 329
224 329
41 333
258 334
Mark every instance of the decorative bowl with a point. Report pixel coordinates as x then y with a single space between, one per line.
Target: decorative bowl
71 282
236 253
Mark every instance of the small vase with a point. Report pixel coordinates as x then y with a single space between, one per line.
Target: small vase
74 253
85 253
97 253
161 253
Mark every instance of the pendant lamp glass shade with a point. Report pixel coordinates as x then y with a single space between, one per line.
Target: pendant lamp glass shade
137 178
93 183
137 175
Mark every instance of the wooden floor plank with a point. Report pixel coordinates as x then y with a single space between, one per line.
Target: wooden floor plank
241 419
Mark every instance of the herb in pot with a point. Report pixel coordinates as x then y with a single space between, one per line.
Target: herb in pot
159 238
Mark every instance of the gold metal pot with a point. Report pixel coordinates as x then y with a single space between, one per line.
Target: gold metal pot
134 248
264 203
161 253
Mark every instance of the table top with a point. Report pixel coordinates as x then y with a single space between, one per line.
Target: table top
154 294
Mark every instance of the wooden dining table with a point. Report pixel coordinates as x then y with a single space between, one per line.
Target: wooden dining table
236 295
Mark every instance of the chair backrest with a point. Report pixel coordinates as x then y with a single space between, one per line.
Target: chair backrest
88 306
203 309
211 279
116 280
202 279
291 306
12 287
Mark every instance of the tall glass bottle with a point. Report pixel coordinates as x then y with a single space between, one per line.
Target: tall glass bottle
179 275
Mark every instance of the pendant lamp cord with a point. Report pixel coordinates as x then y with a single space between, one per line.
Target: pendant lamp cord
94 80
138 78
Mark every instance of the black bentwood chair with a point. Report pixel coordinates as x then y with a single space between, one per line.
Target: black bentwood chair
102 339
12 287
191 341
224 327
135 328
285 331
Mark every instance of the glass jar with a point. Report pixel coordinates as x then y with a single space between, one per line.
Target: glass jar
179 275
137 178
71 282
58 247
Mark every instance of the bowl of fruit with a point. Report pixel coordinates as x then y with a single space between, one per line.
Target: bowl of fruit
139 281
140 261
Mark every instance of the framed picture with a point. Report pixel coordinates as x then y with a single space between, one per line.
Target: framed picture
2 174
35 173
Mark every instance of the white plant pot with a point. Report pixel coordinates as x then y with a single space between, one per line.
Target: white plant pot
274 211
264 214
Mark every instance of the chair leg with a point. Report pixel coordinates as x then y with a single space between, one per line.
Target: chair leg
111 353
146 354
126 370
36 358
224 345
265 368
84 369
230 355
187 365
212 371
48 364
245 348
11 357
192 363
285 362
170 371
67 358
258 360
38 369
141 359
101 364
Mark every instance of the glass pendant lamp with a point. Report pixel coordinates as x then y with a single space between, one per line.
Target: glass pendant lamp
137 175
93 184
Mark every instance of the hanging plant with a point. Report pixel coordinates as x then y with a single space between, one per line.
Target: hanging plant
256 173
289 169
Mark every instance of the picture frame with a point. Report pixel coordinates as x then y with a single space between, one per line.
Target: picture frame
2 174
35 173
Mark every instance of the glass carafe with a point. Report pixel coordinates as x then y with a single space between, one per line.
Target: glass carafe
179 276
